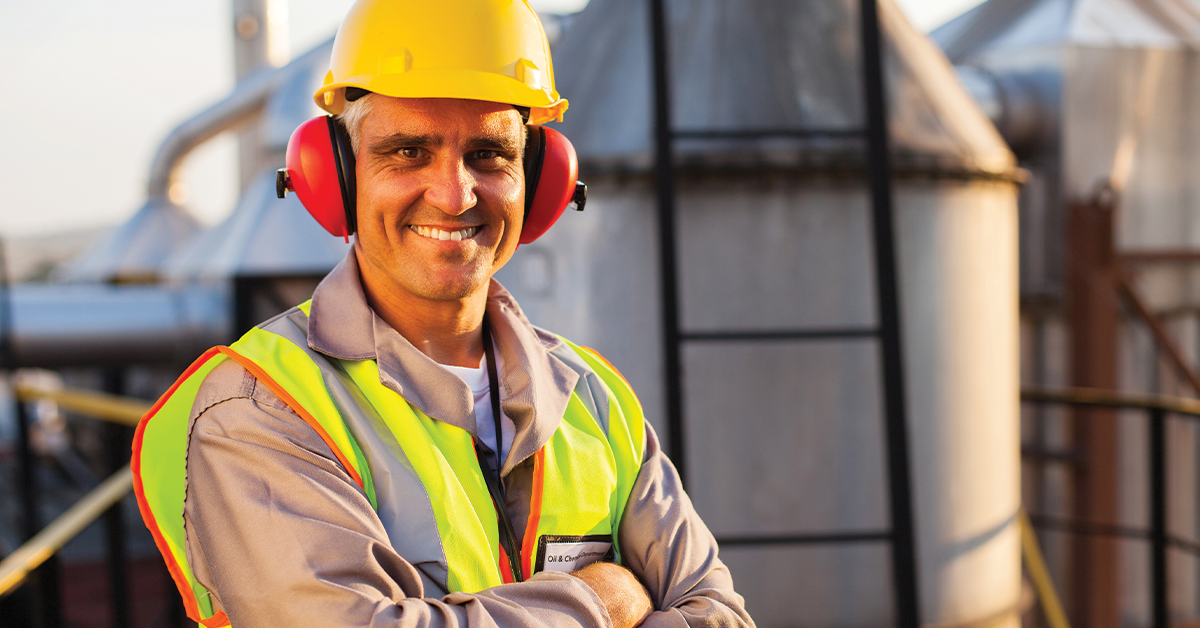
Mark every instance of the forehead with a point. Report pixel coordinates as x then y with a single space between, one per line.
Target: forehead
440 116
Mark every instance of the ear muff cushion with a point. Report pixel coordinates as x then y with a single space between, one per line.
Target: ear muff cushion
550 184
312 164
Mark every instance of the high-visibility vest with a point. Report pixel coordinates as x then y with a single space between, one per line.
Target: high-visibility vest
582 476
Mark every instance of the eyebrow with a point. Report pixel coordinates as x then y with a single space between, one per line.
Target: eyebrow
394 142
495 142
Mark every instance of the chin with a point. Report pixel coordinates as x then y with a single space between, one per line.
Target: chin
454 290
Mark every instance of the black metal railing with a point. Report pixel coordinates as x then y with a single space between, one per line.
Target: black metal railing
1158 409
35 562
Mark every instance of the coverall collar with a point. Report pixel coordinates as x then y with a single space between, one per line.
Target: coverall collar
535 386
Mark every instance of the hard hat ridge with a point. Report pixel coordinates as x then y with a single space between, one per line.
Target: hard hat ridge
494 50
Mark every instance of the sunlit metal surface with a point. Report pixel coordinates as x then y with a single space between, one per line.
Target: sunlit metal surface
56 325
763 65
263 236
246 102
135 251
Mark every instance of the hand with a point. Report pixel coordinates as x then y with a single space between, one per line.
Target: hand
627 600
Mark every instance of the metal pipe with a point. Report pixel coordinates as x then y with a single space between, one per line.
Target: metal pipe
15 568
1022 104
1092 314
91 325
243 104
904 553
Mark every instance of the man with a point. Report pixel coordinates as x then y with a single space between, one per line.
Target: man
406 449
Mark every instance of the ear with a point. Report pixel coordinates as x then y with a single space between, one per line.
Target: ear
320 169
551 172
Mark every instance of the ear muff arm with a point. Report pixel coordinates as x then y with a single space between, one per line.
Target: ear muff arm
344 157
535 156
283 183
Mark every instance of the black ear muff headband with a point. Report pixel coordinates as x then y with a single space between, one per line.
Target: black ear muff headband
344 158
535 156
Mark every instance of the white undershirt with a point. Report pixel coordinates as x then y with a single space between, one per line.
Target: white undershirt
485 428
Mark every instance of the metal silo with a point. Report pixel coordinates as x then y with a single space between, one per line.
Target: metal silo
1109 89
785 433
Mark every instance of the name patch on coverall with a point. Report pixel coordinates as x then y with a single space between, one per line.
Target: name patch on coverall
566 553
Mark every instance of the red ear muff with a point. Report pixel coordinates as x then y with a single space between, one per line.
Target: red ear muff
320 169
551 180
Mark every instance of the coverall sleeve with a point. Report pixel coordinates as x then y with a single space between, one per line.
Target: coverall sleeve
281 535
666 544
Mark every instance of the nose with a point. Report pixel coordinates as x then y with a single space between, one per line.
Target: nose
451 186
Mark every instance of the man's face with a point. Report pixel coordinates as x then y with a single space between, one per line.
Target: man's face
441 195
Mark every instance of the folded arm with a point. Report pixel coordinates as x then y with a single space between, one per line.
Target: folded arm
666 544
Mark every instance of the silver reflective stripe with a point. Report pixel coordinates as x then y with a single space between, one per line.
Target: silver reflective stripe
590 388
403 504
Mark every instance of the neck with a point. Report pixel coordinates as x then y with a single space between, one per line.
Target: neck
449 332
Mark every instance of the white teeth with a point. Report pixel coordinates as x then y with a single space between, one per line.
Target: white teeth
439 234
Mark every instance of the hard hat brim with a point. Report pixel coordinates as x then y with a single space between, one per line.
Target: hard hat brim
544 104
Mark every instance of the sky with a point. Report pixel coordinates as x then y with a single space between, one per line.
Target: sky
92 88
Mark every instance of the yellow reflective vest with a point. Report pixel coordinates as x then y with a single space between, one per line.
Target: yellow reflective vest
582 475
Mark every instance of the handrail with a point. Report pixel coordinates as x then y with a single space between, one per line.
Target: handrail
1157 408
121 410
44 544
1035 562
1112 399
112 408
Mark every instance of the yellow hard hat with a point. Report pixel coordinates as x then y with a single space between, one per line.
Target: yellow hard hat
492 50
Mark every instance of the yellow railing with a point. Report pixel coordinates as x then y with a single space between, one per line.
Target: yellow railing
1035 563
35 551
103 406
15 568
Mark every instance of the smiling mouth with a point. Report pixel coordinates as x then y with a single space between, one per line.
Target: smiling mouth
438 234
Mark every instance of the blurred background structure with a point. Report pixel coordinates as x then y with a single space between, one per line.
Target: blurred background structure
825 249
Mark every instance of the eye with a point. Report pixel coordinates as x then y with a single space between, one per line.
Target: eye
410 152
486 154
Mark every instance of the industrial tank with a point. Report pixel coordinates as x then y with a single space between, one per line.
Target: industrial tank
786 437
1109 90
